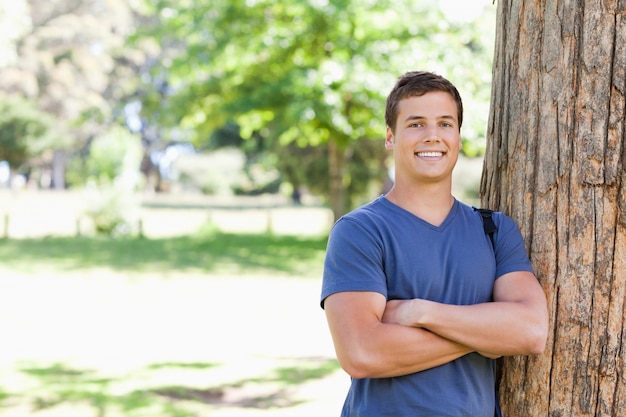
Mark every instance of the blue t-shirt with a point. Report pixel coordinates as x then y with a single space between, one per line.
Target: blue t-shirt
383 248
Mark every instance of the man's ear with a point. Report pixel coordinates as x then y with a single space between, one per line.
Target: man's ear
389 139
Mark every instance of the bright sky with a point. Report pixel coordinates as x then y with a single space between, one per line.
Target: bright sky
464 10
13 23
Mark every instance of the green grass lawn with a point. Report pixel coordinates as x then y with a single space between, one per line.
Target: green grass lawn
210 324
207 252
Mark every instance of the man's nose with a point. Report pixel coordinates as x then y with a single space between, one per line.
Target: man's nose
432 137
431 133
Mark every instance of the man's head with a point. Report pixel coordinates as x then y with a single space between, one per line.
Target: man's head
418 83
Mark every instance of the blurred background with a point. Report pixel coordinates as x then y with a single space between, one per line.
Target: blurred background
169 171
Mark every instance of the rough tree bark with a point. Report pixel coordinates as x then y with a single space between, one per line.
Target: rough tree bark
555 162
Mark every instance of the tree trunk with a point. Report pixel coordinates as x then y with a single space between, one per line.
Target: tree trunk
336 168
555 163
59 161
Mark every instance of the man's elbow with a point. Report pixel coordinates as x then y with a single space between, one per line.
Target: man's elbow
358 365
537 338
355 371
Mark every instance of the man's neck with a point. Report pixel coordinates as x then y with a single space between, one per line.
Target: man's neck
431 203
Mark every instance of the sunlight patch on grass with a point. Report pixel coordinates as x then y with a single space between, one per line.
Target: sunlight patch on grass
142 393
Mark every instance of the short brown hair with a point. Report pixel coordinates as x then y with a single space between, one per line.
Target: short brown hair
418 83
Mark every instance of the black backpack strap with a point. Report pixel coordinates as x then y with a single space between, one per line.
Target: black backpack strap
488 224
490 228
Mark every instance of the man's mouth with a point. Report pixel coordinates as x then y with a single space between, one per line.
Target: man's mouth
430 154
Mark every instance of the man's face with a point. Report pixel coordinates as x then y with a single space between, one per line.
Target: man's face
427 140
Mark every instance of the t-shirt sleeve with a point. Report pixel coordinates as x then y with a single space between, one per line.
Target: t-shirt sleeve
511 255
353 260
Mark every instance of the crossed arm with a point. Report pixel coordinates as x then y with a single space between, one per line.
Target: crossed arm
374 338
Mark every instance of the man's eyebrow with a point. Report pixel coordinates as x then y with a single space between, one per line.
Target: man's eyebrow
414 117
417 117
448 117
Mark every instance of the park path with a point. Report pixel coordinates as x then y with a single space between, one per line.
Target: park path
120 324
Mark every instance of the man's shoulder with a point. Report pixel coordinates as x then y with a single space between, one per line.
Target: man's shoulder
372 210
368 219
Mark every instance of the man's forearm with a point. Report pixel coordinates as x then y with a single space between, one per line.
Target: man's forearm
515 323
396 352
499 328
369 348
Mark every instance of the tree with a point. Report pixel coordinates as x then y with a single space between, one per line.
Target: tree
25 131
555 162
313 73
71 58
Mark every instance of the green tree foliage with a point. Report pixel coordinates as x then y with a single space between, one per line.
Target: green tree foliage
113 156
308 72
110 172
25 131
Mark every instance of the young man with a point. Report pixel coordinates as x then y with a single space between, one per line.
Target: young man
418 302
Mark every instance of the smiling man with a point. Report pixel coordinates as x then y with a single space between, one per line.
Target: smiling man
418 301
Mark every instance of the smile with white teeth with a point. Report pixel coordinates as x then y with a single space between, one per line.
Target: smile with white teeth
429 154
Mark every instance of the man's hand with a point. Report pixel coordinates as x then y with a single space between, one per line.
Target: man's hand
397 312
407 312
